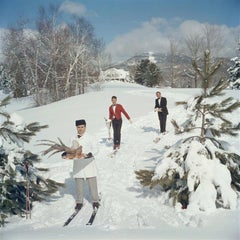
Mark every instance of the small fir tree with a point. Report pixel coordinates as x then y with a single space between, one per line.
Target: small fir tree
198 171
17 167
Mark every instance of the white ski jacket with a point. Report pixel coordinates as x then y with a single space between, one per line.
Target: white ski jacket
84 167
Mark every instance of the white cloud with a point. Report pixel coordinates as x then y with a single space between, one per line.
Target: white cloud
147 38
73 8
228 36
191 27
155 34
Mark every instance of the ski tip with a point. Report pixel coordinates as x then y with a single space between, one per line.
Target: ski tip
65 224
156 140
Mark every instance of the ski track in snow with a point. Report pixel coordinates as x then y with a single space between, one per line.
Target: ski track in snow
124 202
123 198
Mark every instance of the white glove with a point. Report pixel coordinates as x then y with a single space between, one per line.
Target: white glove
130 121
109 120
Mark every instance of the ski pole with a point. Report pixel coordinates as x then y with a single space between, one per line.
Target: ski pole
28 210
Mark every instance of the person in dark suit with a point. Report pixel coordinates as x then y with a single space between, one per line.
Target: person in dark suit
161 109
115 116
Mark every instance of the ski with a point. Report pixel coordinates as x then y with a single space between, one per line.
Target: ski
71 217
112 154
92 217
156 140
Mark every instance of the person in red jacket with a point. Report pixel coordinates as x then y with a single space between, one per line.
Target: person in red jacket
115 115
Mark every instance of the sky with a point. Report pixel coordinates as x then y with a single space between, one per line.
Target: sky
132 26
128 211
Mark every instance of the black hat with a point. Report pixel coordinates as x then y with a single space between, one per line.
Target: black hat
80 122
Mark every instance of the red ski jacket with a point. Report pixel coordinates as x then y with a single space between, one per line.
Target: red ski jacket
117 114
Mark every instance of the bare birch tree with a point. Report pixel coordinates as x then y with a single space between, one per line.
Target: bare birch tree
56 61
172 55
208 39
194 44
212 40
13 50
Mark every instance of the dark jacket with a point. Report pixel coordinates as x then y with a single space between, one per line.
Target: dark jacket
162 105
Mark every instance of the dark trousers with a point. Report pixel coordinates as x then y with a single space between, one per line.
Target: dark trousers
162 120
117 125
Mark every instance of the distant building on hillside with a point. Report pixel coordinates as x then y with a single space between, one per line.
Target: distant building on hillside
152 58
115 74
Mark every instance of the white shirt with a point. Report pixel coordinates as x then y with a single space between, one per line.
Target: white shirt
84 167
114 108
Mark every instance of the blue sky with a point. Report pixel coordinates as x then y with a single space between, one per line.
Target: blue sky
114 20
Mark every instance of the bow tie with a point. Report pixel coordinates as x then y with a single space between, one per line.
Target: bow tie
78 136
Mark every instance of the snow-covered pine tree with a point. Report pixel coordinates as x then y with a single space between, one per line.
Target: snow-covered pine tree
199 171
17 165
147 73
5 83
234 73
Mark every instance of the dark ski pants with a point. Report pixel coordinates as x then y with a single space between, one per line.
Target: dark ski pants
92 184
162 120
117 125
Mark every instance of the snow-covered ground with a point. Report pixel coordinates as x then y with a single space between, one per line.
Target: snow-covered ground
127 210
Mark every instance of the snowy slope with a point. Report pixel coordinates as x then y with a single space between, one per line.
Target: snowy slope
127 210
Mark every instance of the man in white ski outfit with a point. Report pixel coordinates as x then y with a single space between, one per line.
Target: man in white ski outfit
84 168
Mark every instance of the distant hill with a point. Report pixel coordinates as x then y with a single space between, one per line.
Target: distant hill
182 67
